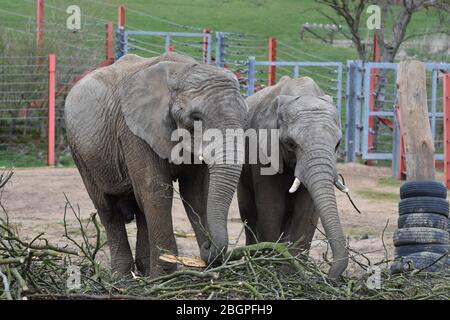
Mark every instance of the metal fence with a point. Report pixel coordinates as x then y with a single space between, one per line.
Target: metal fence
370 117
196 45
330 73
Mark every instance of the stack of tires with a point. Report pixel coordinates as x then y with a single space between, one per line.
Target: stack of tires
422 240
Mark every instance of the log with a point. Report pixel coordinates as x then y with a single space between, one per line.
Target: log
412 100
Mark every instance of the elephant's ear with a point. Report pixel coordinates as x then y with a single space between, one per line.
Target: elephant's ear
269 120
145 102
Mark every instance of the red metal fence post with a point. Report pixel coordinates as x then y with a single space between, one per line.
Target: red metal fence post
39 32
205 47
51 109
121 16
373 83
446 108
109 43
272 72
401 173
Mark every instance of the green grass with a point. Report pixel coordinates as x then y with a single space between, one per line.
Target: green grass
26 157
281 19
376 195
389 182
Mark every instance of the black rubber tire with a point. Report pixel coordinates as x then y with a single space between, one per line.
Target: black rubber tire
428 261
427 220
420 235
403 251
423 205
423 188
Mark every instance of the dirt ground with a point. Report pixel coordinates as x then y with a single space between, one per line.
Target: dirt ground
35 202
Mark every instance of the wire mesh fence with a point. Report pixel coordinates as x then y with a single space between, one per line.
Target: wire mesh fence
24 84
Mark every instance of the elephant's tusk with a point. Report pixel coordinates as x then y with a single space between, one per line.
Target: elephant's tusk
200 157
341 186
295 185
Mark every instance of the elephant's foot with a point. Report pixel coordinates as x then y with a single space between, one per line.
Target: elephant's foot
162 268
143 264
121 267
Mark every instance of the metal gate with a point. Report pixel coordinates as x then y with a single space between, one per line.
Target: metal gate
370 118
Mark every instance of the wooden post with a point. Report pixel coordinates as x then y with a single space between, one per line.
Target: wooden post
412 100
272 72
446 108
51 109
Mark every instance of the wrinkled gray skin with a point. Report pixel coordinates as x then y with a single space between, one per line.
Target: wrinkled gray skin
309 137
119 124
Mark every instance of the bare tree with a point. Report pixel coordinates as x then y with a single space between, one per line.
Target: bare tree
352 12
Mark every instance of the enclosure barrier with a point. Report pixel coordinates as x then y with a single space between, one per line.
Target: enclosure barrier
371 129
336 78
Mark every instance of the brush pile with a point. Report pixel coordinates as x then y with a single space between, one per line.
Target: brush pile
35 269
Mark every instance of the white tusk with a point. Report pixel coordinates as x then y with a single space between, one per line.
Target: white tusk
295 185
341 186
200 157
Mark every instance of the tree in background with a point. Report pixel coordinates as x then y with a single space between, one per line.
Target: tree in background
353 14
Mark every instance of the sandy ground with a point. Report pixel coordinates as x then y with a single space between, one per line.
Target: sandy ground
35 202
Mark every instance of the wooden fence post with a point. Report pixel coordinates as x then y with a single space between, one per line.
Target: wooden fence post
51 109
412 100
446 109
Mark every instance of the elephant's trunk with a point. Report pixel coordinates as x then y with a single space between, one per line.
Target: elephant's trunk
319 178
223 180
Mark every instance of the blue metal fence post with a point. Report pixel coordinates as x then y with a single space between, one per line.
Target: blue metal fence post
167 43
120 42
219 48
296 71
208 52
339 89
359 72
251 76
366 110
350 113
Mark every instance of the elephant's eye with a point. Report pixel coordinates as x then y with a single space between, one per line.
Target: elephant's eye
290 144
337 146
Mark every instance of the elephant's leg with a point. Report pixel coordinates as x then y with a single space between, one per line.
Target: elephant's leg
154 193
270 199
130 209
194 193
247 207
142 245
303 222
113 221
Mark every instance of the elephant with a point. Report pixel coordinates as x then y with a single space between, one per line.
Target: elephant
308 138
120 121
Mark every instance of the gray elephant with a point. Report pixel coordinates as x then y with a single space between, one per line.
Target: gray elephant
120 120
286 205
